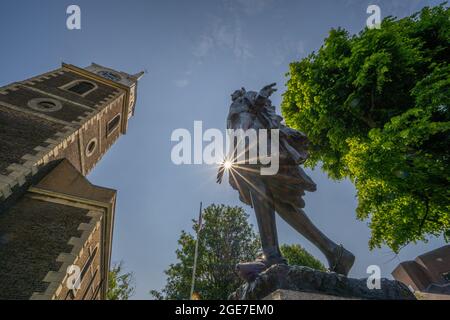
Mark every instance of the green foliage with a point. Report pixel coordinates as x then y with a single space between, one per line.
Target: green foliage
375 107
120 284
225 240
296 255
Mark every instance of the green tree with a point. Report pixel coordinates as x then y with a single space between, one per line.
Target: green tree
120 284
375 107
296 255
225 240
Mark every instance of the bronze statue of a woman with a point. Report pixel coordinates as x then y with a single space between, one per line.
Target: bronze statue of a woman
282 192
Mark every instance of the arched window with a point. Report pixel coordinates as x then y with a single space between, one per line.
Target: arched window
81 87
113 124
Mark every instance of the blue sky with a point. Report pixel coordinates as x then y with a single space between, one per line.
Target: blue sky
196 53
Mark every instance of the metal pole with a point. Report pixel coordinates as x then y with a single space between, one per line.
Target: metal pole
195 255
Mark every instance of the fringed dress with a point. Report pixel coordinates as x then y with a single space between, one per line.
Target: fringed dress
288 186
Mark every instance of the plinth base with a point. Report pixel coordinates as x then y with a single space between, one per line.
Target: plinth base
283 282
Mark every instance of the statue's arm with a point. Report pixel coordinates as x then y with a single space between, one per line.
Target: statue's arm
264 94
267 91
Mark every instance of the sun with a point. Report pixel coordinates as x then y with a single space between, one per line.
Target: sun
227 164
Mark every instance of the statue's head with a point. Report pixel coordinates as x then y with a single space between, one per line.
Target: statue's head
237 94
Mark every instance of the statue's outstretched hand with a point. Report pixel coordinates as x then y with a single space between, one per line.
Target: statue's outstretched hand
268 90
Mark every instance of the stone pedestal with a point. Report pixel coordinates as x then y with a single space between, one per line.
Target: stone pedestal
298 295
431 296
282 282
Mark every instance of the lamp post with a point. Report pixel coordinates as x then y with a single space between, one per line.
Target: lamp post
194 269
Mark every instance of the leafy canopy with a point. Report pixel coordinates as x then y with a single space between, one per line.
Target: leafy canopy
296 255
225 239
120 284
375 107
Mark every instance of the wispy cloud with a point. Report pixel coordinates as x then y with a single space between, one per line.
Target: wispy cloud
287 50
223 35
226 33
204 46
181 83
248 7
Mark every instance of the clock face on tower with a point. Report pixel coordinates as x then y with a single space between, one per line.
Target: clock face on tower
109 75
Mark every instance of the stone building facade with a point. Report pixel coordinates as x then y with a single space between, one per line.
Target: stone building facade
55 226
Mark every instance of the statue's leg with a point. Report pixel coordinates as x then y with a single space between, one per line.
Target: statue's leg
339 259
265 216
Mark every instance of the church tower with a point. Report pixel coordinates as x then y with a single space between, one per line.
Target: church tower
55 226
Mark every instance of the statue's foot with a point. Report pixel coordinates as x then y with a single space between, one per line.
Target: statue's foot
341 261
248 271
278 259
